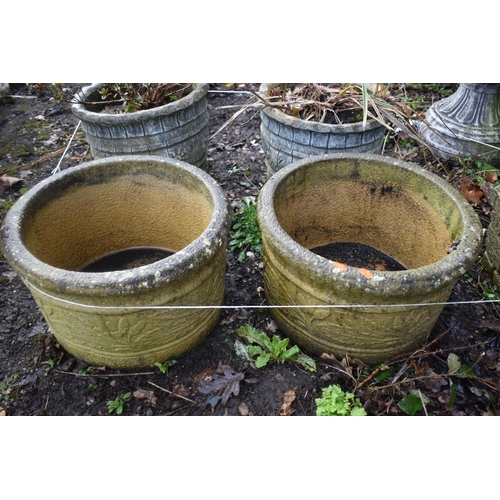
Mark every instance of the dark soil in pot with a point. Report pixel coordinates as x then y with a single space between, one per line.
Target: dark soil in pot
37 377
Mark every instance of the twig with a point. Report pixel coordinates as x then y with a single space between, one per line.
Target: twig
402 357
172 393
423 403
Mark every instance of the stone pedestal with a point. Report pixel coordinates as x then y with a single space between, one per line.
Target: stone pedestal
466 124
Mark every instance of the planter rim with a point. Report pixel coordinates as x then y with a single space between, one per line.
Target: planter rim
200 90
150 276
450 267
295 122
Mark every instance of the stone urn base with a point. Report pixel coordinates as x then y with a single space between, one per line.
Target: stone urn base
99 209
397 208
466 124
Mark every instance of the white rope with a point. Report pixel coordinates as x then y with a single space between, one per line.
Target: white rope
58 168
261 306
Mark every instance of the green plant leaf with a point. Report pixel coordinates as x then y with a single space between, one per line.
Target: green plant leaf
410 404
453 394
336 402
413 402
383 375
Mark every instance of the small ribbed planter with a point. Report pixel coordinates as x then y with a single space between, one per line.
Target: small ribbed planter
491 257
71 219
178 130
286 139
396 207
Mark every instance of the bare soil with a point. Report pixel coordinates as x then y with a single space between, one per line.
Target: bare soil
37 377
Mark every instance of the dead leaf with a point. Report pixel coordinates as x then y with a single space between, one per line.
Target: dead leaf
491 177
367 274
3 413
222 386
207 375
339 265
243 410
471 193
180 390
272 326
288 398
7 181
148 395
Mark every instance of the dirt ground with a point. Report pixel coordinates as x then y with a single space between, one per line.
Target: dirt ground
37 377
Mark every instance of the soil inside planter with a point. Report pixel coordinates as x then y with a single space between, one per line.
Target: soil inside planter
358 255
115 98
128 258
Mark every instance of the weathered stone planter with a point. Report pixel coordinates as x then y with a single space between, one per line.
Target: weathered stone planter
286 139
393 206
104 206
178 130
491 257
466 124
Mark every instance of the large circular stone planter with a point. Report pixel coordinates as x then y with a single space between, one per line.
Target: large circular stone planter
86 212
178 130
396 207
286 139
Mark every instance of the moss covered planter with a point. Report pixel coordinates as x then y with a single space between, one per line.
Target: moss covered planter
178 130
286 139
104 206
491 257
396 207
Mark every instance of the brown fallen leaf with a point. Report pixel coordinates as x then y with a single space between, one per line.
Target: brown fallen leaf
491 177
222 386
288 398
272 326
471 193
149 395
243 410
7 181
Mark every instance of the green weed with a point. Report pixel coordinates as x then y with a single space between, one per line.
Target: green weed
245 232
262 349
50 365
117 405
5 206
337 403
163 367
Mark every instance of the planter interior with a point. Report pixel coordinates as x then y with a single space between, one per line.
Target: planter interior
397 208
102 207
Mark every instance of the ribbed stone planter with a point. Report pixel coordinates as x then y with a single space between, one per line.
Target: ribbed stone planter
491 257
398 208
286 139
178 130
466 124
74 218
